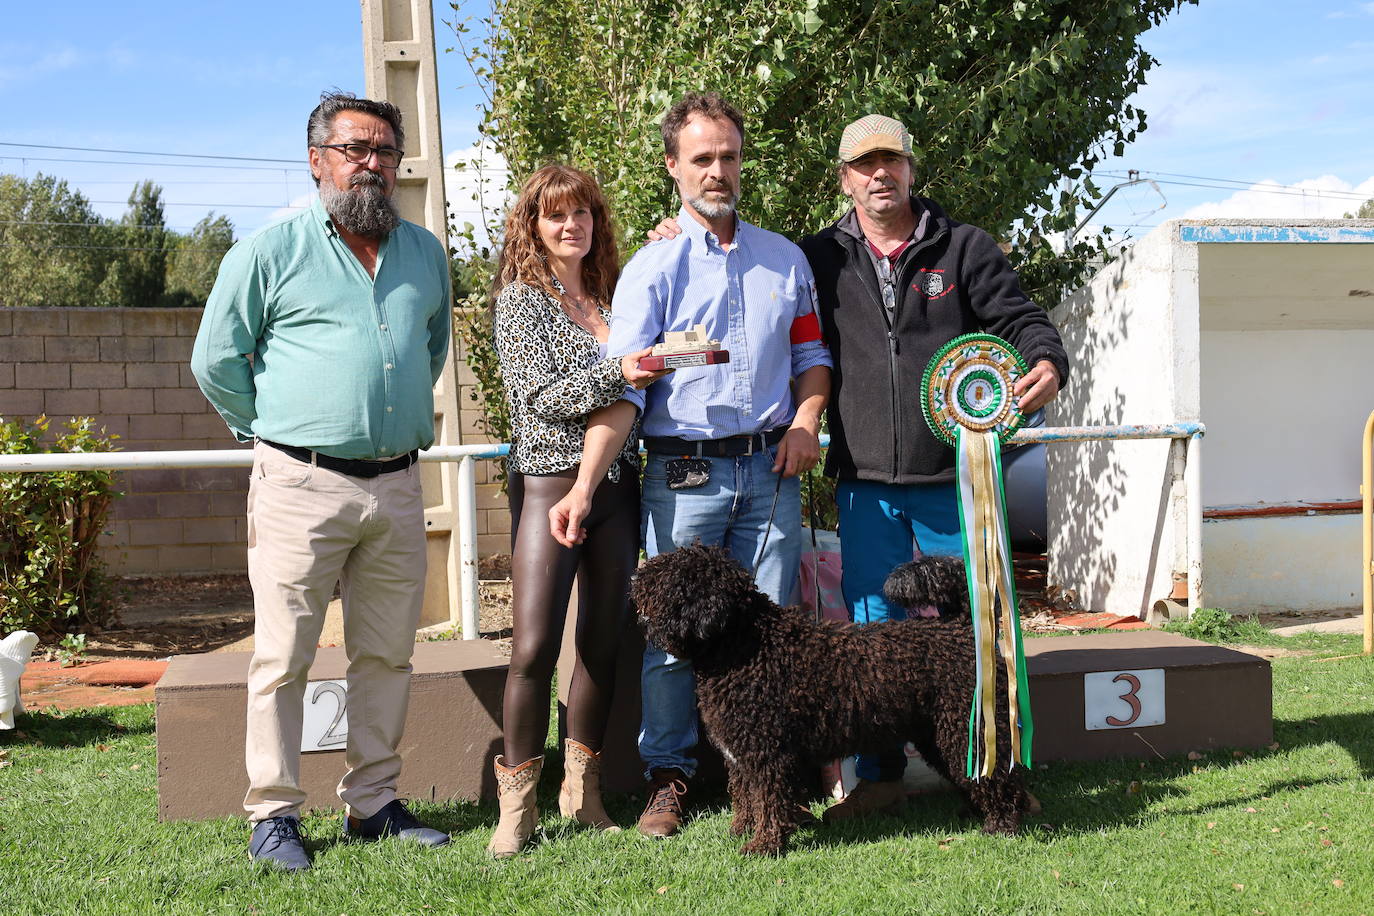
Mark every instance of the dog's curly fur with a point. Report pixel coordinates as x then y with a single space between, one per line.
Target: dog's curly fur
780 694
936 582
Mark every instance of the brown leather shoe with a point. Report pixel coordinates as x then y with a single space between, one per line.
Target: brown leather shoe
868 798
662 815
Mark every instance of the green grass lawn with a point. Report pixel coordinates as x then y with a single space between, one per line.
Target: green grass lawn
1287 830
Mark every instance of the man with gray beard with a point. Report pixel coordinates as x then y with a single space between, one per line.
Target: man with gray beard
726 442
321 342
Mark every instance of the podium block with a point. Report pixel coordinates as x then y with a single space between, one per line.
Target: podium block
453 729
1143 692
1191 696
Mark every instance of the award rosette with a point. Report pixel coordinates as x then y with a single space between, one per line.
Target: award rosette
966 396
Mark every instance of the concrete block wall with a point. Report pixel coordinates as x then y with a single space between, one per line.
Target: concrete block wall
128 368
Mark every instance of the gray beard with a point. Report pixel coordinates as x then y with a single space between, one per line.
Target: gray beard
364 210
712 210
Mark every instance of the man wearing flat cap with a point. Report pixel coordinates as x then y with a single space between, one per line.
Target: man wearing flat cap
897 278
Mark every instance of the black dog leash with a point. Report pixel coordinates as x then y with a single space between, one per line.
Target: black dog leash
815 549
768 528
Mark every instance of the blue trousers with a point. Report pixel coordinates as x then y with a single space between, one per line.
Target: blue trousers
881 526
731 510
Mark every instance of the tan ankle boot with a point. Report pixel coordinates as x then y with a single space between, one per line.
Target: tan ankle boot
519 813
580 796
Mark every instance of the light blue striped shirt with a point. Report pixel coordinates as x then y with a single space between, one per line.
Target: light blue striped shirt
748 298
342 363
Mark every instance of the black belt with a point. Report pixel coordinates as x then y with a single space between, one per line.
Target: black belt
729 447
353 467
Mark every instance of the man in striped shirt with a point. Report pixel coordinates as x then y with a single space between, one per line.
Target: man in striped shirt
726 442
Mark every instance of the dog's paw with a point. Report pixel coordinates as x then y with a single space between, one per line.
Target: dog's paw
1002 826
761 846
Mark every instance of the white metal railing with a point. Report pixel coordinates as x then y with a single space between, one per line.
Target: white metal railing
467 455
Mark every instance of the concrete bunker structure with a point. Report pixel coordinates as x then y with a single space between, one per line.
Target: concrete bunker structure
1264 331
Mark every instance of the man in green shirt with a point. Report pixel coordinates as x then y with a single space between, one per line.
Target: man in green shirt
321 342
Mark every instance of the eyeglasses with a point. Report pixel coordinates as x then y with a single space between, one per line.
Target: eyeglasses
889 283
387 157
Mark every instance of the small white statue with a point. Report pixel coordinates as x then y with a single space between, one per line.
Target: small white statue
15 650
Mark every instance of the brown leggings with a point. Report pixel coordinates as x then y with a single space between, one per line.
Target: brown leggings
542 573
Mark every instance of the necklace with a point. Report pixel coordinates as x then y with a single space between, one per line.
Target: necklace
583 312
579 304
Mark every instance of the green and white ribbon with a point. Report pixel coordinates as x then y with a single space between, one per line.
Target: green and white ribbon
992 598
967 400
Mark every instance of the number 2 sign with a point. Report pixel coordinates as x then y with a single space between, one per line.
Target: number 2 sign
1123 699
325 725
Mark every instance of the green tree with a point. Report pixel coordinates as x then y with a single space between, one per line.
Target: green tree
194 261
1010 104
1366 211
138 272
53 246
1004 99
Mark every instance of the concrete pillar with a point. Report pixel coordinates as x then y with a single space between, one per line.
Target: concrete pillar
398 59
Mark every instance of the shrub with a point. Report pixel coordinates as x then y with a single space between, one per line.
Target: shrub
51 580
1211 624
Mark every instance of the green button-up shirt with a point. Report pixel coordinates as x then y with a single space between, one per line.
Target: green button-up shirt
299 345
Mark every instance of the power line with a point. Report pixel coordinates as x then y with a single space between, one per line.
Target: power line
167 165
1236 183
135 152
246 182
168 203
38 222
34 247
1281 190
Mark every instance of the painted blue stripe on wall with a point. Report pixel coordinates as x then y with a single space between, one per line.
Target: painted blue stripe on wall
1291 234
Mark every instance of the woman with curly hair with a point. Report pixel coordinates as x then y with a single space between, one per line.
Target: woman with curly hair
558 269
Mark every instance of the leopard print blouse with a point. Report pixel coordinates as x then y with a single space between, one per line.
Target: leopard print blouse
553 376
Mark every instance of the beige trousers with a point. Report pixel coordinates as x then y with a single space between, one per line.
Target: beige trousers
309 528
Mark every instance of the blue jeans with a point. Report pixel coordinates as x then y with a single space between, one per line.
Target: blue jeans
879 525
730 510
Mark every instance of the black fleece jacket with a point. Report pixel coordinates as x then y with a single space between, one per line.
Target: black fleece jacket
952 280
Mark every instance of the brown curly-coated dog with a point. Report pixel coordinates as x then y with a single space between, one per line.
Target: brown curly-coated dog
780 694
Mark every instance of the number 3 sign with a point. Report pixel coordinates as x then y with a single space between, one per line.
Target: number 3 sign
325 727
1123 699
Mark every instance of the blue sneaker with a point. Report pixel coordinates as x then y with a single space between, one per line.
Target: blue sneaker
393 820
277 841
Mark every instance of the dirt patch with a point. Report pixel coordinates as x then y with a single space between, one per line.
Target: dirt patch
1273 651
1272 619
160 616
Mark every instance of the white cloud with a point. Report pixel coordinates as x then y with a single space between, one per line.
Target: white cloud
46 63
1183 101
475 180
1326 197
1366 9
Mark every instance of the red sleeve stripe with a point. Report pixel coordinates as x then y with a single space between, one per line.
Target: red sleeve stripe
806 329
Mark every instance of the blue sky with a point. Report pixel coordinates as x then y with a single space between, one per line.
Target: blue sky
1247 91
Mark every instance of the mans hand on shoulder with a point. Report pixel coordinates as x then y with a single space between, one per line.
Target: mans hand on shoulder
666 229
1037 387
